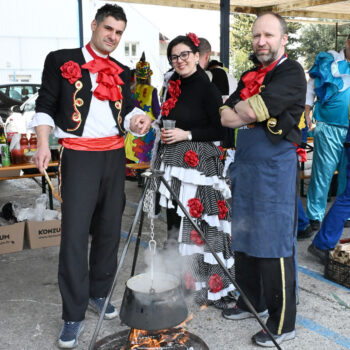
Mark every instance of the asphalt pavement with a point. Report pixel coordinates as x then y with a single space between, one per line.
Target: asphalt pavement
30 304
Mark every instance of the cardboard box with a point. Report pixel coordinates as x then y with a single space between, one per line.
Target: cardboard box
11 238
10 172
43 233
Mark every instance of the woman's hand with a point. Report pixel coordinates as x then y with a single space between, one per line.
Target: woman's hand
174 135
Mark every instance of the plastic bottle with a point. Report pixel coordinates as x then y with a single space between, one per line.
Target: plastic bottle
4 149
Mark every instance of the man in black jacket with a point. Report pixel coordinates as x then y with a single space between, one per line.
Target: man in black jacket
85 97
266 106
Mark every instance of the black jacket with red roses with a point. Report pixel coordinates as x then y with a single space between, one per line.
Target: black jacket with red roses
68 103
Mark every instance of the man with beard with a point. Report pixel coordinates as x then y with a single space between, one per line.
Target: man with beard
266 106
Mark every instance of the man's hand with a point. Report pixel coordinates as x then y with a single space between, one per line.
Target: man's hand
308 119
42 157
140 123
43 154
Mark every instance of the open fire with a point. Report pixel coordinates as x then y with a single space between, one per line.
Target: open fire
167 339
173 338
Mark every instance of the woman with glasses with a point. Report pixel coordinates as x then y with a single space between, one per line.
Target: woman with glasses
193 168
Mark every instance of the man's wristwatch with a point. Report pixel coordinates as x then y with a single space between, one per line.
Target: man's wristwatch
189 136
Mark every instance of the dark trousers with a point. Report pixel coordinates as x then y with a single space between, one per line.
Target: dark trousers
269 283
93 196
173 223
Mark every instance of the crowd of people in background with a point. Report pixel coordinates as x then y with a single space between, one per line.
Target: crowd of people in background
103 116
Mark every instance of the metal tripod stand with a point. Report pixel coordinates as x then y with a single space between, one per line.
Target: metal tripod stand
150 174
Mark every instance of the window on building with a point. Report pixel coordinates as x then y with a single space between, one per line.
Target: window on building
131 49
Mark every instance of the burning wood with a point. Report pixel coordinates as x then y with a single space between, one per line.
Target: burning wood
174 338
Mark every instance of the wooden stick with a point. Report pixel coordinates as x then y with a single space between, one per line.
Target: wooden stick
56 195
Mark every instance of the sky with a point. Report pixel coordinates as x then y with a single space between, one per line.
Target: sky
173 21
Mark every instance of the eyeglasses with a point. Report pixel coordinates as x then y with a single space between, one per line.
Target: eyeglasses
183 55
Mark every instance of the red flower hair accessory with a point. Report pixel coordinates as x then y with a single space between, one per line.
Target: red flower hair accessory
196 207
196 238
71 71
174 92
222 209
194 38
189 281
215 283
191 158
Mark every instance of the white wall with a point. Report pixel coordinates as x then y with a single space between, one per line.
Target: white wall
30 29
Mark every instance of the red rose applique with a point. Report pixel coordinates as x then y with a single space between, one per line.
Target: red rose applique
222 209
194 38
191 158
174 92
71 71
196 207
168 105
222 152
189 281
215 283
196 238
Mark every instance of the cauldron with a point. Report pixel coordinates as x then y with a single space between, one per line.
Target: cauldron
153 305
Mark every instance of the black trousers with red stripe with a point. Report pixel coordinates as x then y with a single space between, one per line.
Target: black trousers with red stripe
92 190
269 283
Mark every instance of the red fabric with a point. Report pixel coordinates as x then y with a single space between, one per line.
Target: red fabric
108 77
196 238
301 153
222 209
253 80
71 71
92 144
174 92
189 281
196 207
215 283
191 158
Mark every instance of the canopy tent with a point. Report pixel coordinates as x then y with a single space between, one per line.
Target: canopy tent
338 11
329 9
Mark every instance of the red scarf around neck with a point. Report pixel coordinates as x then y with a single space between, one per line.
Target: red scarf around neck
108 76
253 80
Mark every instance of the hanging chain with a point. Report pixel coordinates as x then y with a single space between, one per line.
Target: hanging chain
148 208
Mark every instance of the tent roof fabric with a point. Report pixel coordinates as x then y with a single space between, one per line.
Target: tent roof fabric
315 9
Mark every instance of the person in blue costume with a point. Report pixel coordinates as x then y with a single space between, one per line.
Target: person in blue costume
330 83
333 224
266 107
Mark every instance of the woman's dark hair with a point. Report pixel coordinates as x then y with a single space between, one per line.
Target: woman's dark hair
181 39
115 11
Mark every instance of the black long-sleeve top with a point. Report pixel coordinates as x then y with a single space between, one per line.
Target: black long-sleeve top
283 91
197 108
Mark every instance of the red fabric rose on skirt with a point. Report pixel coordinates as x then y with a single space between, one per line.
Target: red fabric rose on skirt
196 238
215 283
189 281
222 209
71 71
196 207
191 158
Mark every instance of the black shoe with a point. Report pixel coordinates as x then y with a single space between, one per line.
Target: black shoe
235 313
262 338
318 253
305 234
315 225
